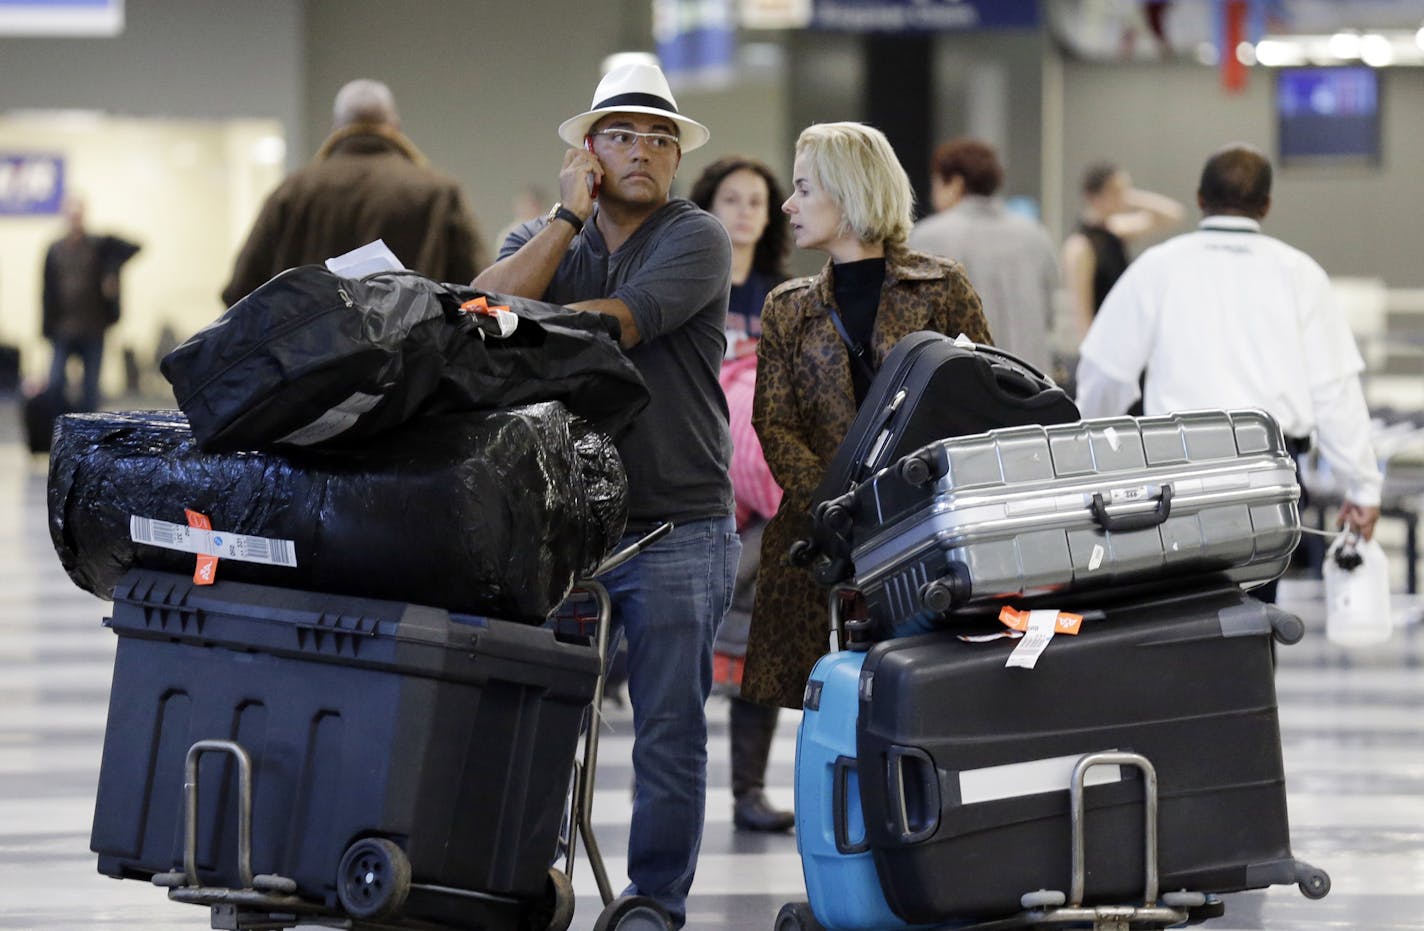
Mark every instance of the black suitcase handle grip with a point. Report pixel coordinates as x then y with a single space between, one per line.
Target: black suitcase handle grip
840 799
1138 521
913 785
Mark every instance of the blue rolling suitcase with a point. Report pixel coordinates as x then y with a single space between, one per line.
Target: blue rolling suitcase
841 881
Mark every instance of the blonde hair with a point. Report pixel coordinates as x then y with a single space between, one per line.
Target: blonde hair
857 166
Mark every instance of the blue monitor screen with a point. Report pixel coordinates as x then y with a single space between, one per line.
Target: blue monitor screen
1328 114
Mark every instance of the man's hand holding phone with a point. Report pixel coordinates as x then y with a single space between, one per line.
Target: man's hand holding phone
579 179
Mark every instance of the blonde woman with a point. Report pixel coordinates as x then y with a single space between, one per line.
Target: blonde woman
823 338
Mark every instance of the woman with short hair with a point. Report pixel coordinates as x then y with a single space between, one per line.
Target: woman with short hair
823 338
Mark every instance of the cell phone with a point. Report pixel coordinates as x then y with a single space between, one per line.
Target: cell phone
592 181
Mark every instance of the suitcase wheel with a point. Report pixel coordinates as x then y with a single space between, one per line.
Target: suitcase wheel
556 911
373 878
834 515
1313 881
796 916
918 471
633 913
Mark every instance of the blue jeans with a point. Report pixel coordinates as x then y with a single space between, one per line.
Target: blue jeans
668 602
91 352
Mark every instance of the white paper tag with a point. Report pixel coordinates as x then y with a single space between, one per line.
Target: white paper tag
508 322
1133 494
1095 559
269 551
365 260
1110 434
1041 625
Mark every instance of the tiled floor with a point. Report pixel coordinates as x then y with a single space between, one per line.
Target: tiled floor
1353 726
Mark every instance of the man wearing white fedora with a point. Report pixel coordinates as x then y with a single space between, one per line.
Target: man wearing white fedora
616 243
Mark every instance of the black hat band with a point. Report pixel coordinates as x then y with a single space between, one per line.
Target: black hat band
635 100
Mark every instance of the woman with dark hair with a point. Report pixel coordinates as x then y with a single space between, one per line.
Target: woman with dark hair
744 195
1115 215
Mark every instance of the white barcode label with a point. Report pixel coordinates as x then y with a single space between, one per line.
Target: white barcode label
269 551
1132 494
1041 625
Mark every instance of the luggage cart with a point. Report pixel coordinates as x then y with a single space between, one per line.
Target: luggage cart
1050 908
373 877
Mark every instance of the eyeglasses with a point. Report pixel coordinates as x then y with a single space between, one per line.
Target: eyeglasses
625 139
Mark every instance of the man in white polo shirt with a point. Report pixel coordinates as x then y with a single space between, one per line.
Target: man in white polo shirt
1226 317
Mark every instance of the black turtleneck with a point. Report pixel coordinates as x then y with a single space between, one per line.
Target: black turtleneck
857 289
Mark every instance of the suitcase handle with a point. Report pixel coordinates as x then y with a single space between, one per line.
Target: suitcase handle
914 802
841 772
1138 521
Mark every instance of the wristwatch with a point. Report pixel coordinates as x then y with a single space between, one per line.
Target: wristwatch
560 212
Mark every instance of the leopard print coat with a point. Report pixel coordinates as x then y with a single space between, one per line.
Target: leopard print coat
803 408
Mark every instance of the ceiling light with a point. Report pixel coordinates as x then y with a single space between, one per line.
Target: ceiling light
1345 45
1376 51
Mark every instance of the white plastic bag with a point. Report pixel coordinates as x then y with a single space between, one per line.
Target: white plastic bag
1356 592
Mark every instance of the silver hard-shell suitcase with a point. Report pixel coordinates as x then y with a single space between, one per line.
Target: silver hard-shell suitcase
1027 511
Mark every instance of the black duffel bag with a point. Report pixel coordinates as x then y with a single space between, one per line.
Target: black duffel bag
495 513
310 358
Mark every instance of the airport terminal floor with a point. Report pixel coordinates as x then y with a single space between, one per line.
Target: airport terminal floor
1352 724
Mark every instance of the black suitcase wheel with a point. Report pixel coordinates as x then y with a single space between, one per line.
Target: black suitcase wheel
633 913
796 916
1314 882
556 912
373 878
916 471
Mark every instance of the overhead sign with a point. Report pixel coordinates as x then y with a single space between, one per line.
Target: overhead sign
923 15
61 17
30 184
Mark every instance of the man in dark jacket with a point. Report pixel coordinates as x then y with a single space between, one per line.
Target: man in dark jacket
81 301
366 182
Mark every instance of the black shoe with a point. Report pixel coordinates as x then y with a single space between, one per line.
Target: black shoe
752 812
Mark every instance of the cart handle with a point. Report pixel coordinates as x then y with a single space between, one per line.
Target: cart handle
244 809
628 552
1149 817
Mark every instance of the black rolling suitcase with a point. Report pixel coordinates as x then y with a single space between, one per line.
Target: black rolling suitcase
964 764
406 764
931 386
38 414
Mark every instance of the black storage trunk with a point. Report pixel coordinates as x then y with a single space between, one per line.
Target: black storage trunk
452 738
965 764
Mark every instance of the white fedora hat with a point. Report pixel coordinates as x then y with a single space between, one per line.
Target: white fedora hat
634 88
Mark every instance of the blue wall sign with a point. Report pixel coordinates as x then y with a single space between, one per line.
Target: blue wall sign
924 15
31 184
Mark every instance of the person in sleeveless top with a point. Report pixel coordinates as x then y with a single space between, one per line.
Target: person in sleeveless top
1115 216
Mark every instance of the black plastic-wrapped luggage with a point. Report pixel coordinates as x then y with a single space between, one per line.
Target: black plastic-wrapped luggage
929 387
311 357
1033 510
385 738
964 765
492 513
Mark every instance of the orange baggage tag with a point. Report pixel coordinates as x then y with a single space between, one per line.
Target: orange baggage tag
205 572
1015 619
